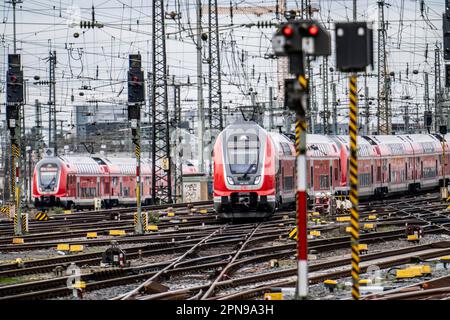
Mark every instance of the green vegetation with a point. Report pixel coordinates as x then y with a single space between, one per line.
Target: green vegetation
153 218
58 210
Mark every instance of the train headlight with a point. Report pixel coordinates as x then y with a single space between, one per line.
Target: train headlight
230 180
257 179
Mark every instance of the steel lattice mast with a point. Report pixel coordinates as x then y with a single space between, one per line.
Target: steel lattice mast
161 164
214 77
384 120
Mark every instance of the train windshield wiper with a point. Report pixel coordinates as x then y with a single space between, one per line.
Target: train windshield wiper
50 183
248 170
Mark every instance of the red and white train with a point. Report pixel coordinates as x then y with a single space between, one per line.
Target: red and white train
75 181
254 169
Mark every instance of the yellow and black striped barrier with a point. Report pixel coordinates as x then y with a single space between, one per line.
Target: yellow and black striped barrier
24 222
41 216
5 211
354 214
293 234
144 219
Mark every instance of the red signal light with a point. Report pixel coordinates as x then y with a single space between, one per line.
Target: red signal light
13 78
288 31
134 79
313 30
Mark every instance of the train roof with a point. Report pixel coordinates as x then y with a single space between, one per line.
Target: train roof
100 164
321 146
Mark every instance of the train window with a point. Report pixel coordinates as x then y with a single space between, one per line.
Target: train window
389 173
312 176
336 174
48 176
288 183
243 153
323 181
364 179
378 173
286 149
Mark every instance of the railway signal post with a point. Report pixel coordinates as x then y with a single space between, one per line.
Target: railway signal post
353 54
295 39
14 101
136 97
444 190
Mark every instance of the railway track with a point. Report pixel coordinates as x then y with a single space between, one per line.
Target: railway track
240 245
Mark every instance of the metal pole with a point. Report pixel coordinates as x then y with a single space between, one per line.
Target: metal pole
55 142
271 108
354 219
200 102
30 182
135 128
50 98
300 147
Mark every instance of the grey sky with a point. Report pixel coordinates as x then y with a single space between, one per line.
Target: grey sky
128 30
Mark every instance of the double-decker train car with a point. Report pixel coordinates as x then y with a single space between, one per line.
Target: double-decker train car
75 181
396 163
252 167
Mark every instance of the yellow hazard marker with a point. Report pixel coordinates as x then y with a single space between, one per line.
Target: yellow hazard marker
315 233
91 235
76 248
330 284
348 229
362 247
152 227
273 296
293 234
368 226
63 247
315 214
79 285
343 219
116 232
18 241
365 282
203 211
41 216
67 211
413 237
373 217
171 214
408 273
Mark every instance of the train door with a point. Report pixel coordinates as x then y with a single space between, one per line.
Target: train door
389 174
78 188
421 169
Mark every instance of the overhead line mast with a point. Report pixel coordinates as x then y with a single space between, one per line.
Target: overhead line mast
161 162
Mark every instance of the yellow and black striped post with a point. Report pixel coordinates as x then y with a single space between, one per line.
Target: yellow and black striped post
15 186
354 219
302 216
138 225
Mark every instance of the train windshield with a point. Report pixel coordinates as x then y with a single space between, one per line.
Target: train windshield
48 176
243 153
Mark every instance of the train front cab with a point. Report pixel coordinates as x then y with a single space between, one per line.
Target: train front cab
47 183
244 172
